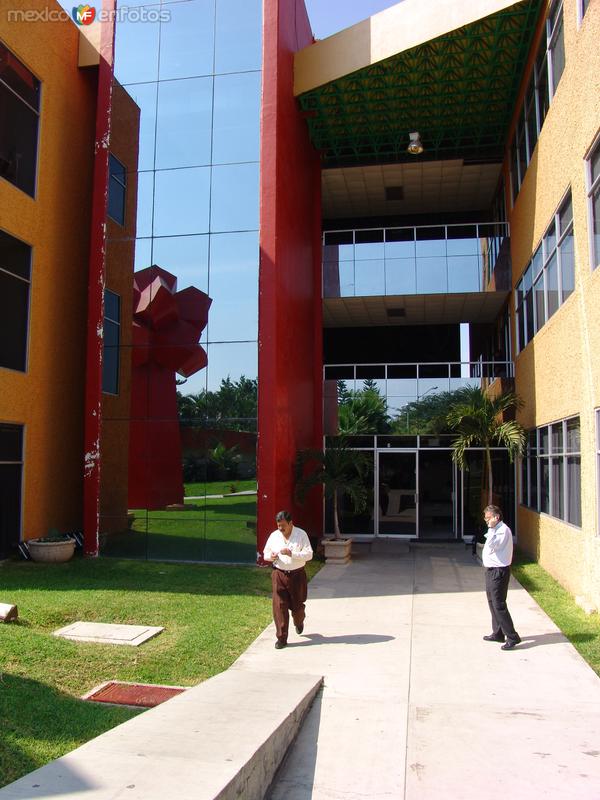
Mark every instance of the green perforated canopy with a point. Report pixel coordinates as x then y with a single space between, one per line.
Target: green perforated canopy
458 90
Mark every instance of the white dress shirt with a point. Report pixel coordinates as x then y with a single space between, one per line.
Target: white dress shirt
299 545
498 548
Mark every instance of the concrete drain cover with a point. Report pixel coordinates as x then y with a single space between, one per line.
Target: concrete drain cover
144 695
106 633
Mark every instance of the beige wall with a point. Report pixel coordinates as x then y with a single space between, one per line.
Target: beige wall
558 373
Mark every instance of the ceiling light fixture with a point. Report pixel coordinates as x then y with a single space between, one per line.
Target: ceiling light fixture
415 146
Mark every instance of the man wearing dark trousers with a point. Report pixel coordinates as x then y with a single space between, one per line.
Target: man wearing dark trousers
288 549
497 558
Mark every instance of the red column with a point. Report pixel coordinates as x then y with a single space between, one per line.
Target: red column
290 317
96 280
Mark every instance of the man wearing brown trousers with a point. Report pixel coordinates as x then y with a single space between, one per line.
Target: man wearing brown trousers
288 549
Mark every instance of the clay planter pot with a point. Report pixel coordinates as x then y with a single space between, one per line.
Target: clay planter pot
51 552
337 551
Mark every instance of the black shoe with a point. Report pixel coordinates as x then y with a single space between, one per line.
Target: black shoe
511 644
280 645
299 628
492 638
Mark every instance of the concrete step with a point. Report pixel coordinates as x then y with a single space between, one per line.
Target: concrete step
221 740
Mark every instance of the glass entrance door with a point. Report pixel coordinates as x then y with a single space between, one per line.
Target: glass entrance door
397 492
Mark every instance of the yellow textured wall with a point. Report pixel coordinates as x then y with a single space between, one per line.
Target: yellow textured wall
48 398
558 373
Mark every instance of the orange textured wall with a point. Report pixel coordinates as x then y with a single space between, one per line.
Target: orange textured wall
48 398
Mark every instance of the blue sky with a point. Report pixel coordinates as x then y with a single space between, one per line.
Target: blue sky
331 16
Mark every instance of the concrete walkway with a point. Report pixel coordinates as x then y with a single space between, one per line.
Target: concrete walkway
416 706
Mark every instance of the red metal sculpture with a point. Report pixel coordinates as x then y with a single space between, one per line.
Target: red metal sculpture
167 325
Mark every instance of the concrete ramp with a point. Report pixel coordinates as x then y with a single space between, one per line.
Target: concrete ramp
222 739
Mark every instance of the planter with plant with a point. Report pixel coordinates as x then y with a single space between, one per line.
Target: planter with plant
340 471
54 548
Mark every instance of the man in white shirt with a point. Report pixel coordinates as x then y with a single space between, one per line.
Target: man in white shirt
288 549
497 558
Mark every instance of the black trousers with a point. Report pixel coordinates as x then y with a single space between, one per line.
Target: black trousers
289 594
496 588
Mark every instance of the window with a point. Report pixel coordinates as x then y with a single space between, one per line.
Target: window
117 182
593 184
551 471
19 121
15 274
547 71
112 338
582 7
549 278
11 468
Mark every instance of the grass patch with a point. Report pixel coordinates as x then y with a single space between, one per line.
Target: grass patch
218 487
582 630
210 614
210 529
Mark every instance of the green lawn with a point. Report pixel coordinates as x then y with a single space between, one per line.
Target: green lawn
583 631
210 615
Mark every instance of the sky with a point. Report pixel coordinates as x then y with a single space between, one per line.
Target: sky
330 16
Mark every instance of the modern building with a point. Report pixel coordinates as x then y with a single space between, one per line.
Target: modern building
380 218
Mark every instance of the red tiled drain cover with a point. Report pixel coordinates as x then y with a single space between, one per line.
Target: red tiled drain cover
145 695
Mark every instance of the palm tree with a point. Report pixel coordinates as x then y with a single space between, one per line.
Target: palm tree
340 470
478 420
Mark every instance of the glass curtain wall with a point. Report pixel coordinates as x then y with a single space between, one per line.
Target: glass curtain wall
182 261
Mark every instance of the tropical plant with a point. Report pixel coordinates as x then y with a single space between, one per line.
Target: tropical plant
232 406
362 411
479 421
226 458
428 415
340 470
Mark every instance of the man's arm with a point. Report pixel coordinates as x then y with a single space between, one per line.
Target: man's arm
498 539
270 553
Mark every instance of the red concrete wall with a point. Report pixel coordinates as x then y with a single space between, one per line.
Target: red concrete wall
290 316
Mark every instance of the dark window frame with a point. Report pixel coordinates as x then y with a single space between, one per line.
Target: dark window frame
13 274
114 385
552 451
16 88
551 251
117 180
540 90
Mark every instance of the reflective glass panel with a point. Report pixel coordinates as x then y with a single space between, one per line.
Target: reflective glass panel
400 276
552 285
231 361
432 275
462 240
234 200
463 274
233 287
238 43
145 194
567 266
136 51
370 278
181 201
236 125
183 131
186 40
186 257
